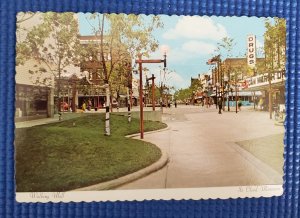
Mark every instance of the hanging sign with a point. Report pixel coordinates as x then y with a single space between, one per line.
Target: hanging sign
251 51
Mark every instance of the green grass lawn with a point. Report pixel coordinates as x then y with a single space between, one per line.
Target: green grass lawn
62 157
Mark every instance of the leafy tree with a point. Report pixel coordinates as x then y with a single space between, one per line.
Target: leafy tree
195 85
122 37
274 48
183 95
275 44
186 94
53 43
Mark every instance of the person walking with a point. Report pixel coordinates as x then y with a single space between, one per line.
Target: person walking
175 103
84 106
220 104
239 104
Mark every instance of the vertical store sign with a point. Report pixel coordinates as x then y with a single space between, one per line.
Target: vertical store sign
251 51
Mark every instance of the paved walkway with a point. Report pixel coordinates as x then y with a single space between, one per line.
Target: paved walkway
69 115
203 153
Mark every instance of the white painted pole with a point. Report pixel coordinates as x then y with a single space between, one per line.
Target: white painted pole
128 106
107 117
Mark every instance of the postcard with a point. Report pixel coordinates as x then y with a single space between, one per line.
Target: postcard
139 107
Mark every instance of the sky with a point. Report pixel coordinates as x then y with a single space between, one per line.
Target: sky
191 40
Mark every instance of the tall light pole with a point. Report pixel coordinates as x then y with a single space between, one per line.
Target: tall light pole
129 89
217 93
236 106
226 81
222 83
153 91
216 60
140 62
270 94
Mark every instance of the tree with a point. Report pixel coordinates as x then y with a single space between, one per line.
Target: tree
226 46
196 85
119 81
53 43
275 44
274 48
183 95
122 37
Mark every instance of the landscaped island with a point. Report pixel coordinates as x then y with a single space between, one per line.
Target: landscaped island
75 153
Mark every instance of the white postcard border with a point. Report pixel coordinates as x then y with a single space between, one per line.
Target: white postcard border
152 194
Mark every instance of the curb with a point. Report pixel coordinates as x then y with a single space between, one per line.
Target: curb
259 164
164 159
149 132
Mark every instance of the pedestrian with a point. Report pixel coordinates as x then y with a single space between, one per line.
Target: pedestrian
220 104
240 104
175 103
89 104
83 106
261 103
210 101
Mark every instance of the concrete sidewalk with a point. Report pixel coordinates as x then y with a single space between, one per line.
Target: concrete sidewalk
37 122
70 115
201 151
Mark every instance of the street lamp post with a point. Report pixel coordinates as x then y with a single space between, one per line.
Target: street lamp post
226 80
236 106
140 62
270 94
153 91
129 90
217 94
236 91
213 61
222 84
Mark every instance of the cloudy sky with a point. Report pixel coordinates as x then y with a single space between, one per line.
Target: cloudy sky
192 40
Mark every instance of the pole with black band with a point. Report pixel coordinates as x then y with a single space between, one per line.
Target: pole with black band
107 117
